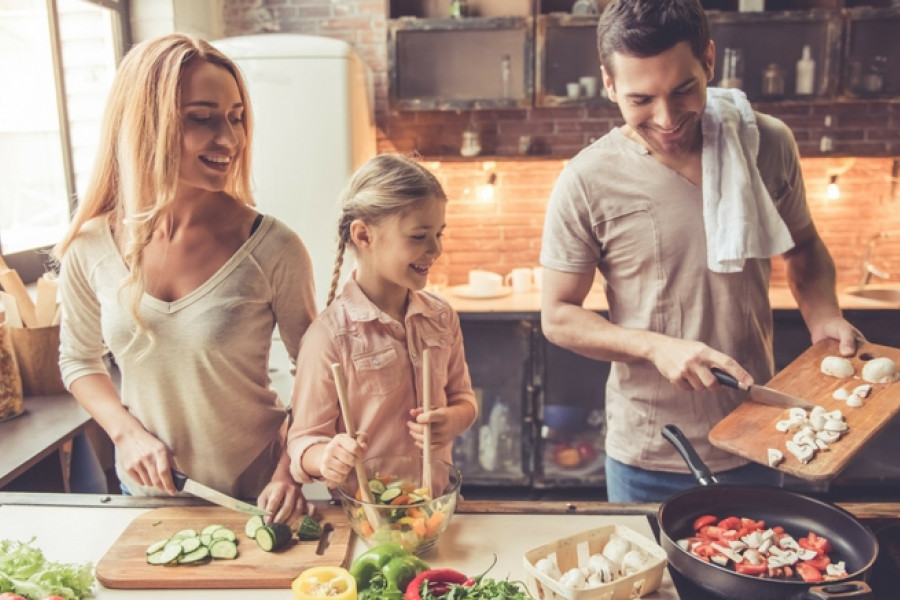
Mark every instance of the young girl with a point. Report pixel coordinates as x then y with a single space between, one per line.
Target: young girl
377 328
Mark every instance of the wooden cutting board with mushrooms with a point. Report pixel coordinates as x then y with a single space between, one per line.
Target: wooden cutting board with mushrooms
858 397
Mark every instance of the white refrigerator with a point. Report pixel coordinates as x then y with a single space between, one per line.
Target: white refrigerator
314 125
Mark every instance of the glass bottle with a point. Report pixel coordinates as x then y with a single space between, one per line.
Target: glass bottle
471 141
733 68
459 9
773 81
826 142
806 73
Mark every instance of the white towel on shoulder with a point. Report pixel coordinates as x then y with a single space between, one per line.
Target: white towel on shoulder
739 216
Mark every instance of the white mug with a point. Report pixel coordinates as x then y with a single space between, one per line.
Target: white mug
589 85
519 280
485 283
538 275
573 90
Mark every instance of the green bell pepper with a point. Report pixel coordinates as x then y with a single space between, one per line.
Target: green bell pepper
383 572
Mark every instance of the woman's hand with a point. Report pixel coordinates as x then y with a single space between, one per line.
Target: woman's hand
284 499
147 461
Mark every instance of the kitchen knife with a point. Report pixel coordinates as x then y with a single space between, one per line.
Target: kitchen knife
183 483
762 394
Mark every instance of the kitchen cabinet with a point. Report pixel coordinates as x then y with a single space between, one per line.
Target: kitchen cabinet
455 64
499 448
566 53
871 54
512 364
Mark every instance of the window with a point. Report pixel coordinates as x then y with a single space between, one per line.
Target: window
61 56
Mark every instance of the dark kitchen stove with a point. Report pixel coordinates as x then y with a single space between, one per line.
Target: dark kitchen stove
884 577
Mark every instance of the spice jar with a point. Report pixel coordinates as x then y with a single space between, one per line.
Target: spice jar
11 401
773 81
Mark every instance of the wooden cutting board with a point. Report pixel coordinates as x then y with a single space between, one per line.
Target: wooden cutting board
124 566
749 430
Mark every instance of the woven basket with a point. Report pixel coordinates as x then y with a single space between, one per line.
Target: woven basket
573 551
11 401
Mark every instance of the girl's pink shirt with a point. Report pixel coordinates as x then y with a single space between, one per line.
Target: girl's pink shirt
382 362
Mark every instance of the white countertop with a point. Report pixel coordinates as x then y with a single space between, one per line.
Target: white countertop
77 534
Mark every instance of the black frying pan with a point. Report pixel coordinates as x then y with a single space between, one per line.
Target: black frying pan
853 542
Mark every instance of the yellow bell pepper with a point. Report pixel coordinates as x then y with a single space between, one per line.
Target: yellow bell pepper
324 583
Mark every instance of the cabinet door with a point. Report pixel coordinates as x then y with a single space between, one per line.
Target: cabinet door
872 54
567 58
773 43
571 419
498 449
455 64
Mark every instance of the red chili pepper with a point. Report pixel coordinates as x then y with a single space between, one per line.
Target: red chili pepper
703 521
437 580
808 573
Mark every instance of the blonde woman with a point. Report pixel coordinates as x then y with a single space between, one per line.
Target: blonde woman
377 328
168 265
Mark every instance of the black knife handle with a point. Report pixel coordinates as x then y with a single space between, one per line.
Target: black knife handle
179 479
725 379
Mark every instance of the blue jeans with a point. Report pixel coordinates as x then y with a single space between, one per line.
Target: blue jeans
625 483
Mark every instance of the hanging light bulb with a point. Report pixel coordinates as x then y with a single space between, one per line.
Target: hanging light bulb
833 192
486 191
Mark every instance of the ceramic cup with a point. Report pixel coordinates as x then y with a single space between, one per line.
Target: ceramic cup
519 280
485 283
573 90
588 85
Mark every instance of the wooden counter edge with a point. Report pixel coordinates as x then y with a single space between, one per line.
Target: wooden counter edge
862 510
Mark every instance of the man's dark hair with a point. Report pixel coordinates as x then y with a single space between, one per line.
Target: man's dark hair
645 28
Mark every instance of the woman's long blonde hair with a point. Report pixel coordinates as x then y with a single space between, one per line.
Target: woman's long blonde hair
386 185
137 167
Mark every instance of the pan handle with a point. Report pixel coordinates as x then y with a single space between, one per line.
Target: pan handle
845 589
677 438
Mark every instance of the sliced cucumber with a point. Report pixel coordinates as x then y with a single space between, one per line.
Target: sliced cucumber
156 547
223 549
185 533
376 486
190 548
168 554
223 533
390 493
273 536
210 528
188 545
253 523
198 556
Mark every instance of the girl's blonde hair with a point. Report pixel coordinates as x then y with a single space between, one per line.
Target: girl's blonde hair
137 167
386 185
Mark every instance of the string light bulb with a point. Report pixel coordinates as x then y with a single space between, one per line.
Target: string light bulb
486 191
833 192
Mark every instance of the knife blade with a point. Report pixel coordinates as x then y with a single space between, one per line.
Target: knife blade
183 483
761 393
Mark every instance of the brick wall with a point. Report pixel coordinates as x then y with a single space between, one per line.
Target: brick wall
505 233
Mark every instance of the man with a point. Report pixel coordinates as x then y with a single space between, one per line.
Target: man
681 224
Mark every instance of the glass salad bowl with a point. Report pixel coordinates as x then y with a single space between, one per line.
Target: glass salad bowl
402 511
